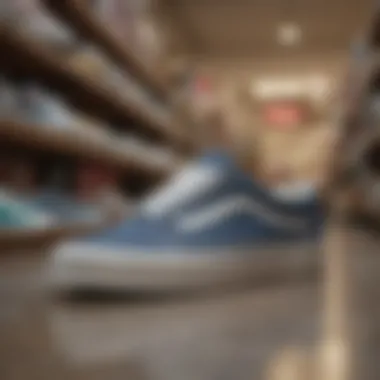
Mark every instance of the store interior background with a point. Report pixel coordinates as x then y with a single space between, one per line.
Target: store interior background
257 55
99 113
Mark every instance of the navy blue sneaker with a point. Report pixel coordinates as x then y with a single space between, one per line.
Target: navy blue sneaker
210 224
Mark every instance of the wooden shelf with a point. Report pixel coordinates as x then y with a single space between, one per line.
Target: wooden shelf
70 142
24 56
86 23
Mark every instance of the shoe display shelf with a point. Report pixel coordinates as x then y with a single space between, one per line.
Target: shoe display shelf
30 59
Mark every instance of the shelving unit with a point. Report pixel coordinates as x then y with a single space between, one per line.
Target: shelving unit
83 20
72 143
87 25
24 56
27 59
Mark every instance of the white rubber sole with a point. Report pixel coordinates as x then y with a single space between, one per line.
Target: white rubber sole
75 266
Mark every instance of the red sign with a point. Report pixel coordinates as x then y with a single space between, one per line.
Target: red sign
283 115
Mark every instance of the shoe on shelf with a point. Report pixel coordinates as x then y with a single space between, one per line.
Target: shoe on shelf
18 215
210 224
66 209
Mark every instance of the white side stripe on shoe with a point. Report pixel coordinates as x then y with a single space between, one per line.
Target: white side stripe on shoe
219 211
189 184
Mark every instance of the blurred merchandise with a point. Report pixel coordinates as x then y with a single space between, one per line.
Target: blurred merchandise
14 213
41 107
33 104
50 196
30 17
65 208
30 103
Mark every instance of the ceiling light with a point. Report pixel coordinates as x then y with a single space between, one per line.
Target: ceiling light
289 34
268 88
309 85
